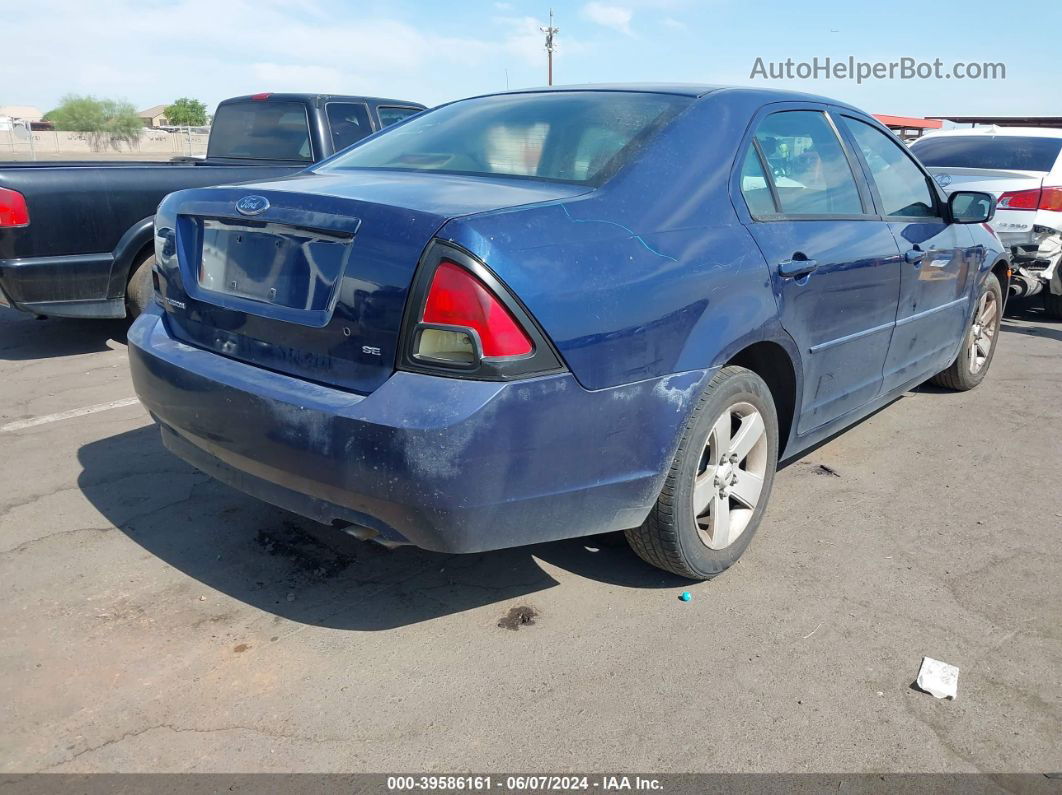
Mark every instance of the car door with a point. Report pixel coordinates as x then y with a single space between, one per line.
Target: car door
937 255
835 268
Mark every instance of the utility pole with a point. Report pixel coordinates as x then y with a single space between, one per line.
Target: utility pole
550 32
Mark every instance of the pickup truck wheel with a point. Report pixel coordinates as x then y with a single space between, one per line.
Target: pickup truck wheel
1052 304
140 291
979 346
717 488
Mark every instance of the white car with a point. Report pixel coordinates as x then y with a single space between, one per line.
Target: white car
1022 168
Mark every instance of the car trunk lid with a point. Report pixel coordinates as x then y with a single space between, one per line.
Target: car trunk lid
994 181
997 182
313 281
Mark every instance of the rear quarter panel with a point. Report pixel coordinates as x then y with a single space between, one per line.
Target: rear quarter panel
652 273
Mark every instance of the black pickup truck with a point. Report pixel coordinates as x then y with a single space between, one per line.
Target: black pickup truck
76 237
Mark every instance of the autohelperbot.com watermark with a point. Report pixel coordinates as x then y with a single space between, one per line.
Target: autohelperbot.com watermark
852 68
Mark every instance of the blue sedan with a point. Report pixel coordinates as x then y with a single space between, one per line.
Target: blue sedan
544 314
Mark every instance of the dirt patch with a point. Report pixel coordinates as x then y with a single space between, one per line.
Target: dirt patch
240 647
307 555
822 469
517 617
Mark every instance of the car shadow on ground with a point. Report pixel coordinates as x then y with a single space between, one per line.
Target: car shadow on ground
1031 311
296 569
24 337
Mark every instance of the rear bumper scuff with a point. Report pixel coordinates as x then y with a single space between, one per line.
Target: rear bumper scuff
447 464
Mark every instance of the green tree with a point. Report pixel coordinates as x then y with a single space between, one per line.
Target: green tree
107 121
186 112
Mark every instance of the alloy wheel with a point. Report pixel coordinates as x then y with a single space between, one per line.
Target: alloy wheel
729 481
983 332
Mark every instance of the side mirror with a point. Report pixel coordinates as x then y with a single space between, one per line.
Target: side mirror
971 207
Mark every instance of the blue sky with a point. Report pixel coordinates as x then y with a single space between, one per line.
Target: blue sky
152 51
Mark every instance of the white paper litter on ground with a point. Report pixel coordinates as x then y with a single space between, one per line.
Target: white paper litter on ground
938 678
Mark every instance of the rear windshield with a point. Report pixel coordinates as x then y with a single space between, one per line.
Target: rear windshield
1005 152
580 137
261 131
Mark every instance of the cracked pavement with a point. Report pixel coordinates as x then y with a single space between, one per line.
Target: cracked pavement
155 620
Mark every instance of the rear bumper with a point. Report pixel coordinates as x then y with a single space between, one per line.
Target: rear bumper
446 464
73 286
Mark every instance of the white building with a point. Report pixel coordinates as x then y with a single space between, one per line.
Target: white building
21 112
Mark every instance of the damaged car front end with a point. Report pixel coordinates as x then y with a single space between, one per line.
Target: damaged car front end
1035 257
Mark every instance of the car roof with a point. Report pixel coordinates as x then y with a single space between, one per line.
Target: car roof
993 130
679 89
765 95
273 96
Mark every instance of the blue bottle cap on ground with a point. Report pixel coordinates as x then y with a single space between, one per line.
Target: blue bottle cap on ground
686 596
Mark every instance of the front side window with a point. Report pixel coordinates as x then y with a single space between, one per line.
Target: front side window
348 122
570 136
902 187
808 166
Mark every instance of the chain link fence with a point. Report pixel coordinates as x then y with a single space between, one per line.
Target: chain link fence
19 143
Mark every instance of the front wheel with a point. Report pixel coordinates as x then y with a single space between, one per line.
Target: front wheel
717 488
979 345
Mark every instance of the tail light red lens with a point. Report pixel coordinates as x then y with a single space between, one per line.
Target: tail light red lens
1051 199
1019 200
457 298
13 209
1035 199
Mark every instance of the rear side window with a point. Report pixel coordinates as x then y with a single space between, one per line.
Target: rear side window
902 187
754 185
807 165
348 123
261 131
389 116
1005 152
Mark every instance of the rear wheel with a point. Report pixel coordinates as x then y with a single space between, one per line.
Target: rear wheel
140 290
717 488
979 346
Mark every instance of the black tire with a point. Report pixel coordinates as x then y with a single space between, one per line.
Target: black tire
140 291
670 538
960 376
1052 304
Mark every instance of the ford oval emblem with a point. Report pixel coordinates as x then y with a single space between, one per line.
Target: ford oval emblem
252 205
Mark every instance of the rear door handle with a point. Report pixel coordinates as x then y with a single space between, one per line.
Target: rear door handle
914 256
795 268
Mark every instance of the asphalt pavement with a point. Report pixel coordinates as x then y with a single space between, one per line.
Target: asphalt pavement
155 620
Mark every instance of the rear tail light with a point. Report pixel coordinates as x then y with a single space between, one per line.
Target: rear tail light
1035 199
13 209
465 322
1051 199
1019 200
457 298
262 96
